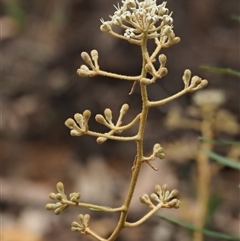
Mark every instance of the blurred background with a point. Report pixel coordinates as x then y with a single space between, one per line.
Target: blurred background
41 42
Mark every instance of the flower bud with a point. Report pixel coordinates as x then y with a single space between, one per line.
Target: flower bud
58 211
155 197
100 119
50 206
124 109
70 123
173 194
149 68
186 77
105 27
79 119
52 196
162 60
76 133
108 115
158 151
175 203
85 56
84 71
144 198
94 54
60 187
100 140
176 40
86 115
59 196
162 72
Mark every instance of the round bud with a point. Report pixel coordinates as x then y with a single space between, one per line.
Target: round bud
100 119
124 109
70 123
100 140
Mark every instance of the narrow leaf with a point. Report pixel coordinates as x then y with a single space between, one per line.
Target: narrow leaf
224 160
220 70
219 142
206 232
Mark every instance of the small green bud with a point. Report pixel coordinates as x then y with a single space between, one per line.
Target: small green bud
158 151
60 187
59 197
52 196
50 206
57 211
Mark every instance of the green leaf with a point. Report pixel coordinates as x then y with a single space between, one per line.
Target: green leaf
219 142
224 160
206 232
221 70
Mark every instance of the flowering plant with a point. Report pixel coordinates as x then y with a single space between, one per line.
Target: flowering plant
141 21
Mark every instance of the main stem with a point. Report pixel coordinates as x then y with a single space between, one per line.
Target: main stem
138 161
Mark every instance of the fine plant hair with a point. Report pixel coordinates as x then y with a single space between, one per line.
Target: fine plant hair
142 21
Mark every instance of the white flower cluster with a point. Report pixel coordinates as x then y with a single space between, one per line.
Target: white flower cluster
142 18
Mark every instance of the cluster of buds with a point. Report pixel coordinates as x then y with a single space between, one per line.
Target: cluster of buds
82 224
107 121
79 125
156 74
158 152
193 83
62 200
92 61
162 196
139 19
